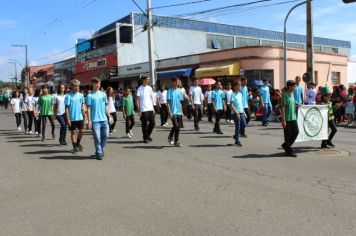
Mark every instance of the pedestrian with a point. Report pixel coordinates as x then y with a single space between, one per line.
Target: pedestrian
189 110
349 107
238 113
112 110
228 92
144 102
310 94
298 93
128 111
195 94
289 118
209 103
325 100
24 108
265 102
30 109
74 113
98 113
219 107
162 105
15 105
59 111
245 102
46 102
6 98
37 112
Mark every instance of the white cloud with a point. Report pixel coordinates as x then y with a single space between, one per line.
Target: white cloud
81 34
7 24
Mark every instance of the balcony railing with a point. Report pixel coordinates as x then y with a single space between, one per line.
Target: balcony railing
96 53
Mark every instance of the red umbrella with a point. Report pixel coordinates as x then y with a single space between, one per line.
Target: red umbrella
207 81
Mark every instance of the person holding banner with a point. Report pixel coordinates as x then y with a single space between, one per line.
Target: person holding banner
289 118
325 100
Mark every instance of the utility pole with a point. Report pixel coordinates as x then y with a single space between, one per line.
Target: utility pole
310 41
152 62
12 61
27 69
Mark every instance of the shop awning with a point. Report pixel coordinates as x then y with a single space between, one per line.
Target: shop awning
186 72
226 69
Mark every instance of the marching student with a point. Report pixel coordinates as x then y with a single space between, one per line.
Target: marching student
265 99
209 103
218 106
112 110
245 99
325 100
228 92
289 118
74 113
24 109
162 105
98 114
37 112
30 109
128 111
45 103
59 110
238 113
144 101
15 105
195 94
298 93
175 111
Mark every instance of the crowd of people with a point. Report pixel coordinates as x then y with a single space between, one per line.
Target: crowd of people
237 104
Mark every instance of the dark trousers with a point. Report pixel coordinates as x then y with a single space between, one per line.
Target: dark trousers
248 115
18 119
148 123
197 115
63 131
25 119
189 112
333 128
240 124
130 122
290 135
176 121
114 117
6 104
44 124
210 112
164 114
30 120
38 124
228 112
218 116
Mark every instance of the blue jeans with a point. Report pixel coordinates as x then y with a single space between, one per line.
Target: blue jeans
240 124
267 110
63 130
100 134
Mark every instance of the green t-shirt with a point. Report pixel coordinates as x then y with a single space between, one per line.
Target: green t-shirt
289 104
128 105
46 105
1 97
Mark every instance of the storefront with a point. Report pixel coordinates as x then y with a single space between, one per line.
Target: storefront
164 77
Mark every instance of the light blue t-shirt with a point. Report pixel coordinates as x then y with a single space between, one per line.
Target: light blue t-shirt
244 92
298 95
236 99
174 98
97 102
218 96
264 92
74 102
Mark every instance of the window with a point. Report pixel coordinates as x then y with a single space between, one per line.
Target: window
272 43
246 42
335 78
101 62
317 49
126 34
252 75
295 45
330 50
219 42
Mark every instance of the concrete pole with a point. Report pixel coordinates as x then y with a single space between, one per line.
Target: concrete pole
152 62
310 41
285 38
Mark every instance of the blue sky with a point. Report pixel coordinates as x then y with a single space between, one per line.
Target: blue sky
49 27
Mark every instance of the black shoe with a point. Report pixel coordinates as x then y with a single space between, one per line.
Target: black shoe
287 150
74 151
243 136
150 139
99 157
145 140
238 144
290 154
177 144
43 139
64 143
329 143
234 136
79 148
220 132
264 124
324 145
53 136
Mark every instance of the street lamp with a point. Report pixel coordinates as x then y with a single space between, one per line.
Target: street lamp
285 38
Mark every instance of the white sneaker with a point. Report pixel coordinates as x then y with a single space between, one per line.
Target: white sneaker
128 135
130 132
232 122
19 128
36 133
30 132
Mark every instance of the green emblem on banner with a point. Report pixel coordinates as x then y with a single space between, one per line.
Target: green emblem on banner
313 122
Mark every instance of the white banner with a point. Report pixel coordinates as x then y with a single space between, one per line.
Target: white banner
312 123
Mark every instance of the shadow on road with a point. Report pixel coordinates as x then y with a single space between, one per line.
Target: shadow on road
124 142
24 141
73 158
40 145
47 152
217 136
147 147
252 156
210 145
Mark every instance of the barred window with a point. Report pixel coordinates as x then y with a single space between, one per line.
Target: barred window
246 42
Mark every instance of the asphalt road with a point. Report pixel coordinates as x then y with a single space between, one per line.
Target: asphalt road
208 187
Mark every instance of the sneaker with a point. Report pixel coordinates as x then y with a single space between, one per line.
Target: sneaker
30 132
99 157
79 148
323 145
329 143
243 136
114 130
165 125
145 140
74 150
170 141
177 144
19 128
232 122
64 143
220 132
130 132
238 144
43 139
36 133
110 133
150 139
128 135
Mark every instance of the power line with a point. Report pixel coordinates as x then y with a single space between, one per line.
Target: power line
180 4
139 7
53 55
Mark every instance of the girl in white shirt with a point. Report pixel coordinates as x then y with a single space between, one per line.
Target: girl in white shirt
30 109
24 108
15 104
59 108
111 106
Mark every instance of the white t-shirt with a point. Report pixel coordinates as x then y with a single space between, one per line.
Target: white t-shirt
228 94
145 94
35 104
162 96
310 95
154 98
208 96
111 105
196 93
29 102
15 102
23 105
61 107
